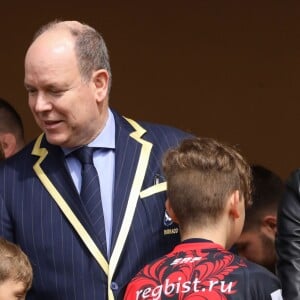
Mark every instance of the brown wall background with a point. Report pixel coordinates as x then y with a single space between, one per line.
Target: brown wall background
224 69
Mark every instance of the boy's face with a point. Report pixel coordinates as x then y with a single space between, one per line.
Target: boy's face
258 246
12 290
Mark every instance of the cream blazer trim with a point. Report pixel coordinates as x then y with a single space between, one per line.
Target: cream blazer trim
62 204
133 196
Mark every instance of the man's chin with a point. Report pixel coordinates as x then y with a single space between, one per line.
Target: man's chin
56 140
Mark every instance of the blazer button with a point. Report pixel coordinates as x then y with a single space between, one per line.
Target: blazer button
114 286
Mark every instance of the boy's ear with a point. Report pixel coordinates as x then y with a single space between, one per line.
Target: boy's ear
170 211
9 144
235 204
269 224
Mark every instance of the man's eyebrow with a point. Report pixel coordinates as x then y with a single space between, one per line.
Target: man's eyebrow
46 86
27 85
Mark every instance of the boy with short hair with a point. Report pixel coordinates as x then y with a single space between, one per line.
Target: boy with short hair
257 241
15 272
209 185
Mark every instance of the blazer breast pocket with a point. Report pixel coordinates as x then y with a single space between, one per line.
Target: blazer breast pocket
154 189
167 229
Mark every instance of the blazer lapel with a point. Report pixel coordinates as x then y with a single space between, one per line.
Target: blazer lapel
126 161
51 170
132 158
54 167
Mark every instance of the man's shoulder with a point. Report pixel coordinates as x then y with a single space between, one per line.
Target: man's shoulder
151 128
262 279
162 136
156 128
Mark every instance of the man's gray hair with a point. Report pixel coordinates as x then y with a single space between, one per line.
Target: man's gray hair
90 47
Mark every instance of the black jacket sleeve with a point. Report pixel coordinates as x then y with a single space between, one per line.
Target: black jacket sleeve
288 239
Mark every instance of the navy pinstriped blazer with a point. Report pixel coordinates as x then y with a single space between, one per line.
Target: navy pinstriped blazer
40 210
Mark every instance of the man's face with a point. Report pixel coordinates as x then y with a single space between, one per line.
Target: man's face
12 290
257 247
65 107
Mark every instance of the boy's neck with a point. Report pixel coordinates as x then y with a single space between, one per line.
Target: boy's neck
215 235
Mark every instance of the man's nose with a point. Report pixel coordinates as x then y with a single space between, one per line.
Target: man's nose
42 103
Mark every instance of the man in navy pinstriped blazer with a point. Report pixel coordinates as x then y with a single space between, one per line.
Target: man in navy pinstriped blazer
67 76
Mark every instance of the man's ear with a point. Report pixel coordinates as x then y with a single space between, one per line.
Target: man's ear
269 224
9 144
100 80
170 211
234 202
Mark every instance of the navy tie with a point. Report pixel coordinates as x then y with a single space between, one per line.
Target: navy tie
90 191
